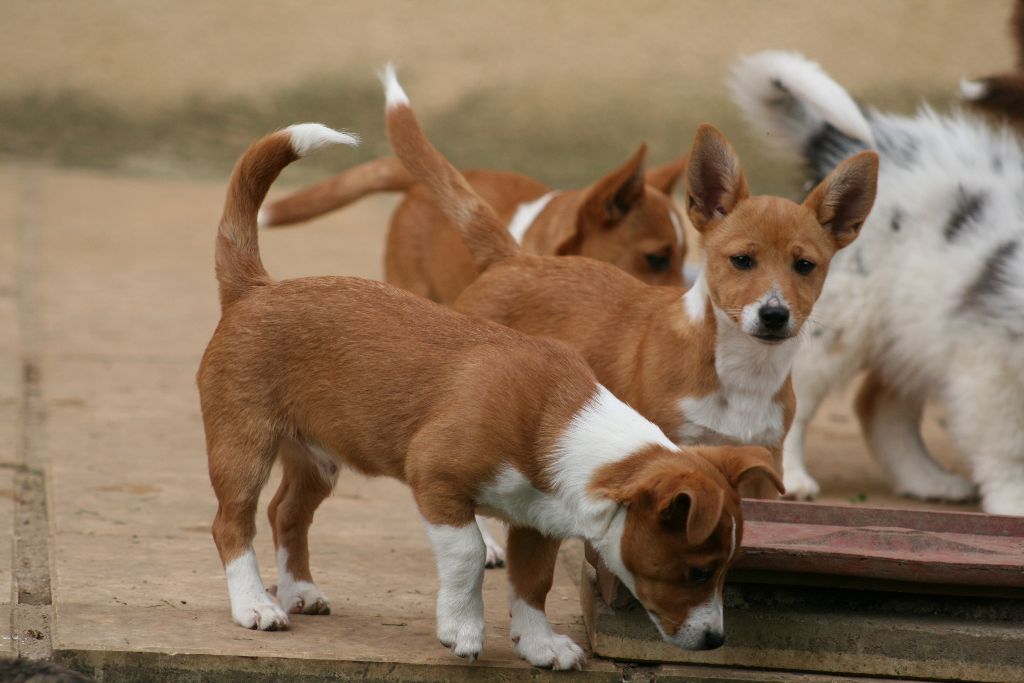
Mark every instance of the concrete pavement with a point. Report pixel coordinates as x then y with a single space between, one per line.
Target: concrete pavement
107 299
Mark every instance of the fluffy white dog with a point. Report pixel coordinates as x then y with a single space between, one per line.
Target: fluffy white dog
929 300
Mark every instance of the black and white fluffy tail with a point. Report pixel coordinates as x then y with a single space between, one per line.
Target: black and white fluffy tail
800 109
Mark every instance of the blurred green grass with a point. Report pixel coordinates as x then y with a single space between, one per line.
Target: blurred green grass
567 138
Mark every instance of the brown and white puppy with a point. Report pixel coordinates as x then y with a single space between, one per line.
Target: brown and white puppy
626 218
326 372
710 365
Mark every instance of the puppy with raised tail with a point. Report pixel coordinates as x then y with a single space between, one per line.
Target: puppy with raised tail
626 218
326 373
708 365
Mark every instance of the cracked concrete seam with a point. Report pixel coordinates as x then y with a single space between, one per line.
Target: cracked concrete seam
32 611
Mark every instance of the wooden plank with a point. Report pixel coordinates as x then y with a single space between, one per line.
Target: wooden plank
832 630
957 549
850 515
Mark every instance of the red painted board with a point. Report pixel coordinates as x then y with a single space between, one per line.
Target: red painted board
953 548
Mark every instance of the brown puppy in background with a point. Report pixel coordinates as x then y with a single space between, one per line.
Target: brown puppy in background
326 372
1002 95
708 365
626 218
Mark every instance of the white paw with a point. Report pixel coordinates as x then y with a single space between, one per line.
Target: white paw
251 605
301 597
938 485
1004 502
800 485
465 639
263 615
495 554
550 650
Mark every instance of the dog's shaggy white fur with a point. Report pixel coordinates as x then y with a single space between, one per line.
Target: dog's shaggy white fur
930 298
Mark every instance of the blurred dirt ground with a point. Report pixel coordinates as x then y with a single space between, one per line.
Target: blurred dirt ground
562 89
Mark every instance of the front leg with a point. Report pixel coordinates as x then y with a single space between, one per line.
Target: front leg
459 551
811 386
531 570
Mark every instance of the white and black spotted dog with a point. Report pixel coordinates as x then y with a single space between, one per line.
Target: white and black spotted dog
929 300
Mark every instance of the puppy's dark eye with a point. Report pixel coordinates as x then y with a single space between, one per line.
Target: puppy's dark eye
659 262
743 262
698 575
803 266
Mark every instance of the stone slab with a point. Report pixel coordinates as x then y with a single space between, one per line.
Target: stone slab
832 630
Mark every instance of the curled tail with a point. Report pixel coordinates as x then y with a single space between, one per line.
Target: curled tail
379 175
482 231
238 263
800 108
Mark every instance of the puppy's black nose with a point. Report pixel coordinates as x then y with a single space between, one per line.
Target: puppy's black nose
773 318
714 640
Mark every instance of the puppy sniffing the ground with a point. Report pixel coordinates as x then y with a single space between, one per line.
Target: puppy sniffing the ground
333 372
626 218
710 365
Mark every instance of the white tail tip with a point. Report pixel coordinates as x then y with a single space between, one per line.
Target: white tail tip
972 90
309 137
262 218
392 88
757 78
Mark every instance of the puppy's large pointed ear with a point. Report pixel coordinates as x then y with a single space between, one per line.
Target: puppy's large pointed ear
741 464
665 177
693 508
615 195
843 200
715 182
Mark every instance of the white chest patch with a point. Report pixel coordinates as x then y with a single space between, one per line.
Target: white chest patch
721 419
526 213
743 409
512 497
603 431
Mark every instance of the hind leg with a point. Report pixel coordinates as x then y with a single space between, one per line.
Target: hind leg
305 483
891 424
986 404
239 467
